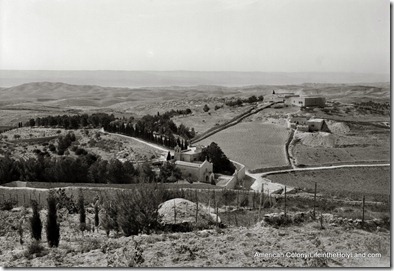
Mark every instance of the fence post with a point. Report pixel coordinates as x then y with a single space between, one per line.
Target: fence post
363 211
261 192
237 199
214 199
217 215
321 220
174 212
247 196
314 203
285 202
196 208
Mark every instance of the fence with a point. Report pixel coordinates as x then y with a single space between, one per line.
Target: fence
227 199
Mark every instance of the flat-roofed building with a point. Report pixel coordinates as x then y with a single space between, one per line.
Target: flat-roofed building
308 101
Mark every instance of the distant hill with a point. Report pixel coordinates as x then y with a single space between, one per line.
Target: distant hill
135 79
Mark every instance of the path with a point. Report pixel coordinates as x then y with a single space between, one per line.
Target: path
144 142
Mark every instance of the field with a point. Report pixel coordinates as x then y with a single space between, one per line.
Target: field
360 142
353 183
254 144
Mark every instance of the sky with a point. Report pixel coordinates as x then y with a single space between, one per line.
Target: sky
196 35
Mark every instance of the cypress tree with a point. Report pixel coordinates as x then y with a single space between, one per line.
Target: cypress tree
96 213
168 156
82 213
35 222
52 227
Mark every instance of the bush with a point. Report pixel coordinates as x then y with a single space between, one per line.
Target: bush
52 227
35 222
206 108
52 148
7 205
139 213
35 248
81 151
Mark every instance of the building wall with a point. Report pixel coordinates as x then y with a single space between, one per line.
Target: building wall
315 101
315 125
308 101
197 173
302 120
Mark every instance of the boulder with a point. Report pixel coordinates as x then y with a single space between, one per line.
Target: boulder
186 212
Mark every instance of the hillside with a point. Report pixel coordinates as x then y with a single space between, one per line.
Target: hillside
182 78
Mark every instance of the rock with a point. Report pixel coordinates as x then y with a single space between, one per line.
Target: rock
378 222
357 221
186 212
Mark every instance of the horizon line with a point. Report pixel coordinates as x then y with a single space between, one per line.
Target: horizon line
210 71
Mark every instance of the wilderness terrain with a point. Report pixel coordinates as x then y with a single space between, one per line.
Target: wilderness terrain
357 115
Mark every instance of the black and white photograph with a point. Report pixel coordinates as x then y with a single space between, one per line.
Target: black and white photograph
195 133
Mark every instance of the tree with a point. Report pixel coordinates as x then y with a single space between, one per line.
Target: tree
32 122
168 156
52 227
82 213
252 99
206 108
260 98
35 222
221 164
96 213
168 170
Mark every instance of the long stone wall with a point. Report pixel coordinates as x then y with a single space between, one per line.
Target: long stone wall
240 175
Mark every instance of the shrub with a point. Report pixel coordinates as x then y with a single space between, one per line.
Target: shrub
52 227
81 151
52 148
35 222
35 248
139 213
206 108
7 205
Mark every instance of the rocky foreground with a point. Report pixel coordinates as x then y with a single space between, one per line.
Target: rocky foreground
262 245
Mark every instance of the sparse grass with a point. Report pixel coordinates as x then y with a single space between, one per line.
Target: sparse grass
90 243
353 183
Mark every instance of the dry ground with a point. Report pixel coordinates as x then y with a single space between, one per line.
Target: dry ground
106 145
373 182
231 247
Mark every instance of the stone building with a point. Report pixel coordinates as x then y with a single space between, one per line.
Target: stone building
308 101
190 164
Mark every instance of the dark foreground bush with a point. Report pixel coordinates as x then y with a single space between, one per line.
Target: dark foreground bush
35 248
8 204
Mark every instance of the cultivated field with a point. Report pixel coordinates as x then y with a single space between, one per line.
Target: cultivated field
254 144
352 183
353 143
